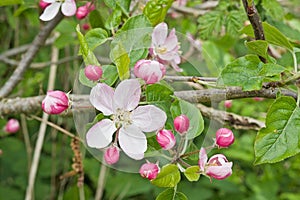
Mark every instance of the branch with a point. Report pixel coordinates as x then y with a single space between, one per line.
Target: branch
31 105
234 120
27 58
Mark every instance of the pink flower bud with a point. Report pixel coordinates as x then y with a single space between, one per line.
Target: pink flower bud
43 4
12 126
218 167
258 98
55 102
92 72
111 155
228 104
83 11
224 137
149 70
181 124
149 170
86 26
166 139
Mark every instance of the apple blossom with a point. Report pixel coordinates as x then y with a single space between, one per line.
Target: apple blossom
92 72
84 10
127 118
149 170
55 102
43 4
181 124
216 167
165 46
12 126
224 137
166 139
149 70
111 155
68 8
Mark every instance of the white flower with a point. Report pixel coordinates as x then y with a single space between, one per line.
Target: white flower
68 8
128 118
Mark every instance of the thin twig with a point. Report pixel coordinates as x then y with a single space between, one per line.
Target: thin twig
27 58
26 140
101 182
42 131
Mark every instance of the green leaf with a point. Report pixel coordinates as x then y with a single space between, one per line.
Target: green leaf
96 37
96 20
110 74
84 80
120 57
273 9
88 56
169 176
156 10
170 194
234 22
259 47
192 173
114 20
210 24
272 35
249 73
281 137
10 2
192 112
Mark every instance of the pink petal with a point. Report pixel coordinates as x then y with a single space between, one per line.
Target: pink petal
51 11
101 97
175 66
100 135
133 142
127 94
148 118
171 41
219 172
68 8
202 159
159 34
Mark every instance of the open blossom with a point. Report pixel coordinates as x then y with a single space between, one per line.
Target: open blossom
68 8
128 119
224 137
149 170
111 155
55 102
84 10
166 139
12 126
165 46
149 70
216 167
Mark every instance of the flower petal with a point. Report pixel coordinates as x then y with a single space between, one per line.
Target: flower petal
219 172
101 98
100 135
127 94
68 8
159 34
49 1
171 41
148 118
50 11
202 159
133 142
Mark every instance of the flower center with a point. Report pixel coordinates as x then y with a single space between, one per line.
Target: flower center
161 50
122 118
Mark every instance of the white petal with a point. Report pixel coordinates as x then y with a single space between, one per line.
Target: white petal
50 11
100 135
68 8
101 98
171 41
127 94
148 118
133 142
159 34
49 1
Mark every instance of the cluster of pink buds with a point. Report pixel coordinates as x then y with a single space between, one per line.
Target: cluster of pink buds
149 170
12 126
55 102
216 167
84 10
93 72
